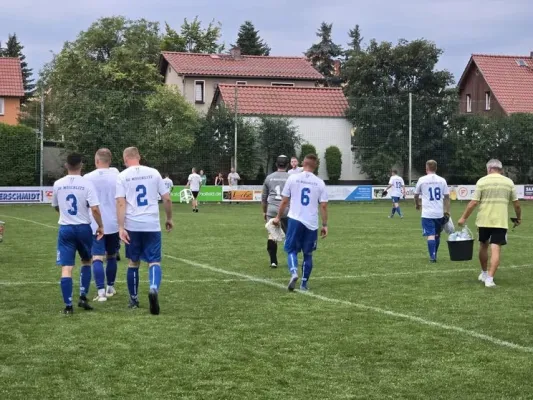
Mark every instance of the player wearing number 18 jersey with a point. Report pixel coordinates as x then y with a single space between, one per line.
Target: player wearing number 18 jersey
435 205
72 197
271 199
305 192
138 187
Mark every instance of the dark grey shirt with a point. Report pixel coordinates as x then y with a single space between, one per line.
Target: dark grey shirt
272 189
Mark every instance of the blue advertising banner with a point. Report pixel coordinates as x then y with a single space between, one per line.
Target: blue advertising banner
360 193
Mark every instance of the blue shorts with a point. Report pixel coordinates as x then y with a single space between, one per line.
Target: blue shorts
395 199
432 226
72 239
299 238
144 246
109 244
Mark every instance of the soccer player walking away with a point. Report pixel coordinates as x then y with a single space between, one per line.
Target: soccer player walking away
435 205
271 199
194 182
295 169
493 193
305 192
104 180
138 222
70 198
397 190
168 182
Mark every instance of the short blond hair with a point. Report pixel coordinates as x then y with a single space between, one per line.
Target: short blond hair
431 165
132 153
104 155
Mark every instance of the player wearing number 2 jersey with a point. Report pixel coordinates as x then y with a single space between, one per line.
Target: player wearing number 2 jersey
138 219
306 192
72 197
271 199
435 205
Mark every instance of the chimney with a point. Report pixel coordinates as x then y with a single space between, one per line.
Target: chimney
337 68
235 53
531 54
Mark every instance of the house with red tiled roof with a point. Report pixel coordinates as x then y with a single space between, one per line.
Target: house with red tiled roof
497 85
11 90
197 76
317 112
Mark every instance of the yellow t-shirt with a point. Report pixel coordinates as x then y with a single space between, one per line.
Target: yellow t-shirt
494 193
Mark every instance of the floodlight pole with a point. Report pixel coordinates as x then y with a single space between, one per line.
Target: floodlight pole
236 113
41 142
410 136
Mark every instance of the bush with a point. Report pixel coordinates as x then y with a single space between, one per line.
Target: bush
20 156
333 163
306 149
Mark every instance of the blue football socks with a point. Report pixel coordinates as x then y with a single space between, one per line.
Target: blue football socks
292 261
307 267
111 271
399 211
99 275
154 276
432 249
85 279
393 211
437 244
133 282
66 291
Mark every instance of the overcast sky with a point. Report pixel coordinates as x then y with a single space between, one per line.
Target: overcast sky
460 27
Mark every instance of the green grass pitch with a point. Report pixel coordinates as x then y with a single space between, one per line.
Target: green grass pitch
380 322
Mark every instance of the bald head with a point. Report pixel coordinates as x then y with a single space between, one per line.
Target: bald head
102 158
131 156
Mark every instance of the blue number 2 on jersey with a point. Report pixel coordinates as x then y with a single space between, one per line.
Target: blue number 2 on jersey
434 193
141 196
305 200
73 210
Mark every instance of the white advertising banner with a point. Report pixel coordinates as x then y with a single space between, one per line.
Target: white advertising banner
21 195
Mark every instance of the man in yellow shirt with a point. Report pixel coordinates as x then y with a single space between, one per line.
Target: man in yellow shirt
493 193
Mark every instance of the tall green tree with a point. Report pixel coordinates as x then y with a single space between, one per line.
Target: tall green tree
324 53
249 42
193 38
379 81
276 136
14 48
354 45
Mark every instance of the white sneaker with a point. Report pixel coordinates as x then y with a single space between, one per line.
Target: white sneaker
292 282
101 297
489 283
111 291
482 277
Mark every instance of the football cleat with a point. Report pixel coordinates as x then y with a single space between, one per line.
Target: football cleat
490 284
154 302
482 277
84 303
110 291
303 287
69 310
273 265
133 304
292 282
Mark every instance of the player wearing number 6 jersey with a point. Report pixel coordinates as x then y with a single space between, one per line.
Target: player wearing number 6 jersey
72 197
271 199
435 205
138 187
305 192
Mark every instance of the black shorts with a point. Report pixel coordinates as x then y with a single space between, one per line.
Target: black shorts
195 194
494 235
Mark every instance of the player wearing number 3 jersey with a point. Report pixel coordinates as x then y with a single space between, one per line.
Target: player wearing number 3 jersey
305 192
271 199
138 187
435 205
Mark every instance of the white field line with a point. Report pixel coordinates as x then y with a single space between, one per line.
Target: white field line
378 310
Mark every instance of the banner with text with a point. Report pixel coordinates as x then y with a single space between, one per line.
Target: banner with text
207 194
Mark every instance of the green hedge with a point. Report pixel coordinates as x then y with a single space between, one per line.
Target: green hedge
333 159
19 157
306 149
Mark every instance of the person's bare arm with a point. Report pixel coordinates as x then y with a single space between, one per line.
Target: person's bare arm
121 217
167 204
447 204
324 213
417 202
56 208
97 215
264 199
518 211
468 211
282 208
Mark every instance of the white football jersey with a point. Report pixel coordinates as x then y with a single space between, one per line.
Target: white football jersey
74 194
397 185
168 183
306 191
141 185
105 183
194 182
432 188
233 178
296 170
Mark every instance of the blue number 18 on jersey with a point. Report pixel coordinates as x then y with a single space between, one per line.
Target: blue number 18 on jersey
434 193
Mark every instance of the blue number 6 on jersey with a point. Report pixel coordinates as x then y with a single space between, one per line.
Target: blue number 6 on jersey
141 196
305 200
73 210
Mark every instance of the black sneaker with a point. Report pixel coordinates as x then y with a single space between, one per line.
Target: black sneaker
197 210
154 302
118 256
69 310
84 303
133 304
